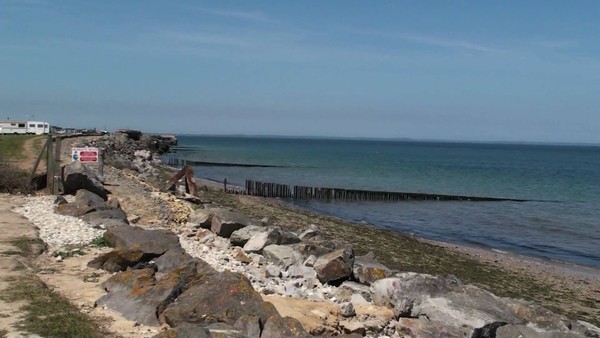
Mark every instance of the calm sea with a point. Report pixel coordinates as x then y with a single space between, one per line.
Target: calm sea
560 222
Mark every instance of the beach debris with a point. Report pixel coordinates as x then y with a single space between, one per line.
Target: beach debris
190 180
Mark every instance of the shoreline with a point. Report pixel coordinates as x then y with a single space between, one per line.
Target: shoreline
572 290
487 254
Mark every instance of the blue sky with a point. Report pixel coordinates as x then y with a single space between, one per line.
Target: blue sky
453 70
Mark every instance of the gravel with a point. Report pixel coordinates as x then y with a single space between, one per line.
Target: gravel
59 232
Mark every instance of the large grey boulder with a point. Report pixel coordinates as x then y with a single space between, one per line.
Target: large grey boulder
185 330
85 202
488 330
511 331
139 296
257 242
86 197
142 294
288 237
224 330
222 297
225 222
316 248
242 236
120 260
389 291
277 327
100 216
154 242
367 269
282 255
77 175
348 289
201 218
412 327
335 266
249 324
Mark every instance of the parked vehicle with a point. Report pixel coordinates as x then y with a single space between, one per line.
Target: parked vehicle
38 127
24 127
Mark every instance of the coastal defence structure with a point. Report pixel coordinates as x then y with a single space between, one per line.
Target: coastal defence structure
265 189
297 192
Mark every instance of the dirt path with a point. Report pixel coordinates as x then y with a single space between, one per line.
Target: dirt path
30 155
12 264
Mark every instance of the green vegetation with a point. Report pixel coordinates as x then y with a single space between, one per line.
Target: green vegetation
12 178
47 313
11 146
28 246
100 242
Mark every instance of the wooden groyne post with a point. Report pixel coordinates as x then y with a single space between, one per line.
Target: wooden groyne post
265 189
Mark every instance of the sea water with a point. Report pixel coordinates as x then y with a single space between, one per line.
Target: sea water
560 219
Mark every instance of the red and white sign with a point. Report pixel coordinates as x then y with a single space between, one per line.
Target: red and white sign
85 155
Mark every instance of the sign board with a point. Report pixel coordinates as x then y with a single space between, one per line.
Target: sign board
85 155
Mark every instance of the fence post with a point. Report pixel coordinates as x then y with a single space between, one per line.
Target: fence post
57 187
50 165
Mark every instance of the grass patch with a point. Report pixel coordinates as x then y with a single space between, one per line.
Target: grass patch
47 313
26 245
11 252
13 179
100 242
3 333
11 146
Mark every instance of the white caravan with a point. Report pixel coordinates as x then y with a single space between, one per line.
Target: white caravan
37 127
24 127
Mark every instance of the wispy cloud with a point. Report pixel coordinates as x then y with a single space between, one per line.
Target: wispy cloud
22 3
243 15
450 43
430 40
558 44
203 38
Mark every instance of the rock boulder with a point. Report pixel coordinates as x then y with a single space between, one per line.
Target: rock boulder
154 242
218 299
335 266
282 255
367 269
77 175
225 222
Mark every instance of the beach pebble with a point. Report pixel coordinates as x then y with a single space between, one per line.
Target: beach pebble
57 231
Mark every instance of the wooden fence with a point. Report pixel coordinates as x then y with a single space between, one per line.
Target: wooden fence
264 189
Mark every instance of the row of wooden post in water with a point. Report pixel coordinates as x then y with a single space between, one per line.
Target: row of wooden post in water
265 189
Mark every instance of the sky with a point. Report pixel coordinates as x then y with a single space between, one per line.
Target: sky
447 70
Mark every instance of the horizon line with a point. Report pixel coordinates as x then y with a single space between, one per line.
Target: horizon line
391 139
